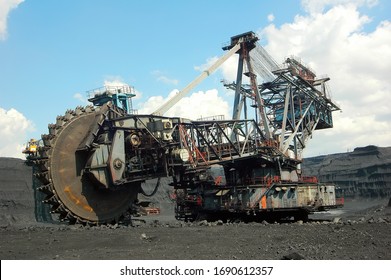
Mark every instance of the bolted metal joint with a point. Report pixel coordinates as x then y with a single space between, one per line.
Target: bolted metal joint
117 163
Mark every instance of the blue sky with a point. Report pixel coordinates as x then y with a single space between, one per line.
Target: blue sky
51 52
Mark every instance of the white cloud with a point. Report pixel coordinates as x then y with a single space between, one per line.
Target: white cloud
5 8
270 17
333 42
138 94
230 68
318 6
197 105
14 128
209 62
114 82
81 98
167 80
164 79
153 103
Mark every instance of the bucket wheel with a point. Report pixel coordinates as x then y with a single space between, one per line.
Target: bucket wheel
60 169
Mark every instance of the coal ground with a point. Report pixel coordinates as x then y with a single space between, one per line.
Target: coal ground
359 231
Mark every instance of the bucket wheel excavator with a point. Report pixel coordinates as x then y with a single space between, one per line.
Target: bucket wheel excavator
93 160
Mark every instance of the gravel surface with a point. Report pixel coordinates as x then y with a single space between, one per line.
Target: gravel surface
365 236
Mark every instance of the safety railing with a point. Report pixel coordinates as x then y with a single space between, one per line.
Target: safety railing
109 90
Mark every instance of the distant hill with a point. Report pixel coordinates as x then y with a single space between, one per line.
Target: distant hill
365 172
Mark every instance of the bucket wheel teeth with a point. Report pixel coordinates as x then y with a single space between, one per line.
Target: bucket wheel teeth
69 115
44 153
89 109
78 111
46 189
51 199
52 129
60 121
67 216
43 177
41 164
47 139
58 209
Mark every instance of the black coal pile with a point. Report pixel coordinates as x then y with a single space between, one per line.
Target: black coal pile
365 172
16 193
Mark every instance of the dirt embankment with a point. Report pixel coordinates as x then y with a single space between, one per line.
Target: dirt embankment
365 172
16 193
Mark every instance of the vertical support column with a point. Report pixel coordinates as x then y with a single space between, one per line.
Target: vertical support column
237 104
117 156
283 128
258 98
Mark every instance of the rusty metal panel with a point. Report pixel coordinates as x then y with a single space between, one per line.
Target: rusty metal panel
282 197
255 196
289 196
329 195
306 195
